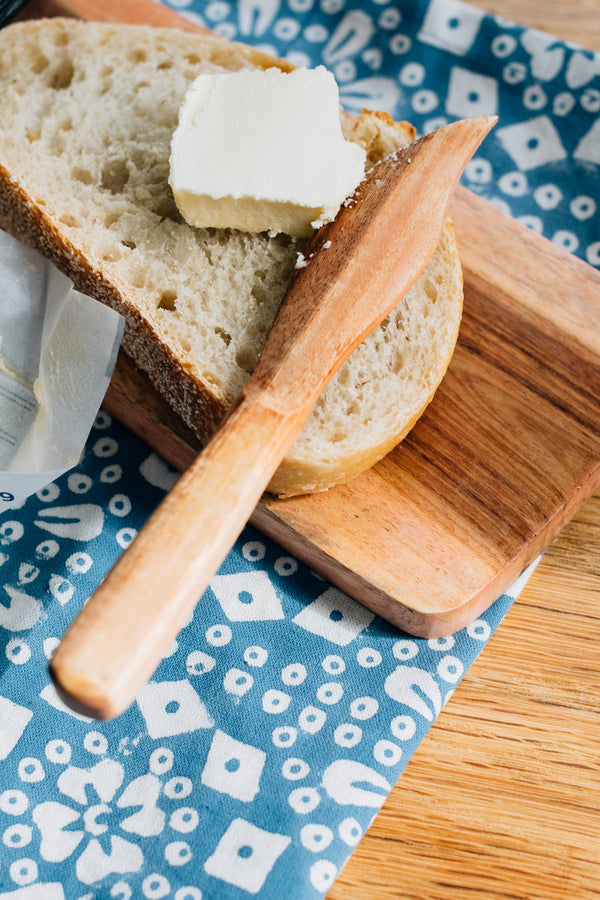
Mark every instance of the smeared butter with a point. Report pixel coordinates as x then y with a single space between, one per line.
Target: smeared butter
263 151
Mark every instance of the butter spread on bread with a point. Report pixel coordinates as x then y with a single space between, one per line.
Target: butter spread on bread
263 151
89 111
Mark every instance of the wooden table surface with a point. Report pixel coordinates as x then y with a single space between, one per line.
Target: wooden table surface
502 799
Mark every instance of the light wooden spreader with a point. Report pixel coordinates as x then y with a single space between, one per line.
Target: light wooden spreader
377 247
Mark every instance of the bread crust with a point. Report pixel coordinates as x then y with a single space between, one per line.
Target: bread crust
191 396
22 217
201 408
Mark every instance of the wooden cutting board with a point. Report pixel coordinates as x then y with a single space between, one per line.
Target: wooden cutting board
505 454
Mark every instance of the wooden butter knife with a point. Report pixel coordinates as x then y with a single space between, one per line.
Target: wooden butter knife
377 247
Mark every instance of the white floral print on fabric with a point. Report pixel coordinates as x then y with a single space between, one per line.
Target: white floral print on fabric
259 751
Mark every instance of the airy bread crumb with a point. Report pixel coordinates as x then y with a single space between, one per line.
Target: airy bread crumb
88 115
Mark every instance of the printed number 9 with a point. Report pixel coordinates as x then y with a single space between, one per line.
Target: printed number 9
4 495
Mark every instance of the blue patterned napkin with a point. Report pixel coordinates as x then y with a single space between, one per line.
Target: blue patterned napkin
278 721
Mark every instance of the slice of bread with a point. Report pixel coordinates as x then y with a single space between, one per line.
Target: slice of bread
88 115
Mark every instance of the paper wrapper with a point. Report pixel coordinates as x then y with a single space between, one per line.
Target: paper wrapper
58 349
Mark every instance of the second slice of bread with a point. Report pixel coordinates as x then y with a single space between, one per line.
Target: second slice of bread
88 115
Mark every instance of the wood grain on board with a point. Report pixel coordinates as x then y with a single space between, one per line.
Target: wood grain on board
502 798
503 457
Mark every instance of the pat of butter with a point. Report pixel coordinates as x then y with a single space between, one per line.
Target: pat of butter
263 151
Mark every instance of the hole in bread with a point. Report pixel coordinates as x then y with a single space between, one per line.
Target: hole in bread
224 335
246 359
137 56
57 145
40 63
165 208
70 221
33 136
397 362
399 320
61 39
66 124
167 64
140 85
139 158
129 243
115 175
111 219
167 118
260 294
62 76
168 300
222 235
155 172
430 289
285 240
84 176
192 58
106 71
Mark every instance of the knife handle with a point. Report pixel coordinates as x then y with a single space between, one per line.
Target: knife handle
355 277
122 633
